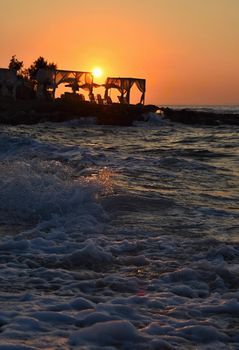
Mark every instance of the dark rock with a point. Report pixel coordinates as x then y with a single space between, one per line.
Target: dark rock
59 110
189 116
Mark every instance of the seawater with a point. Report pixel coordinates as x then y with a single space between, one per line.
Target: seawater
119 237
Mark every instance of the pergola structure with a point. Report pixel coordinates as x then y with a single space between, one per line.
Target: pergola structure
124 85
8 82
52 78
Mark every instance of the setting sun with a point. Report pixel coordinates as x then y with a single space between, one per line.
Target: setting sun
97 72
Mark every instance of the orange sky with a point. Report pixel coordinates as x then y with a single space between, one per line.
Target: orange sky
186 49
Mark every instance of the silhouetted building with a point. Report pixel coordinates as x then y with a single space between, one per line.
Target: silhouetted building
8 83
124 85
49 79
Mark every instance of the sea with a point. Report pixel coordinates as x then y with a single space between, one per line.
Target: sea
119 237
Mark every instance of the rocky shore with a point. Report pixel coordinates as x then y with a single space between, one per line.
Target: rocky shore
59 110
189 116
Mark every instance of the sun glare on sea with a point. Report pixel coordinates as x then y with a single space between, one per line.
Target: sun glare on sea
97 72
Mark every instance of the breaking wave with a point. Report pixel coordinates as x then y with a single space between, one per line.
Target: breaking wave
119 238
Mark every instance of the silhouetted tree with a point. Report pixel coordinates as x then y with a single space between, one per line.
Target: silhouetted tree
15 64
41 62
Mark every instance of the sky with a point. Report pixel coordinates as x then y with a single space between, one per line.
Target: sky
187 50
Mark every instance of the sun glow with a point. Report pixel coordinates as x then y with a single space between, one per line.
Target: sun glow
97 72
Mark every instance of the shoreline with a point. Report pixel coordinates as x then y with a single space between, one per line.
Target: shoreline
202 117
60 110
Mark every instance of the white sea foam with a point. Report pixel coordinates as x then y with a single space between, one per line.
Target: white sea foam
108 241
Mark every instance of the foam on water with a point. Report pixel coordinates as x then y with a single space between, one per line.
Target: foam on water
123 238
37 190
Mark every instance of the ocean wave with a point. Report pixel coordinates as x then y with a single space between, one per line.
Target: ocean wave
118 238
36 190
